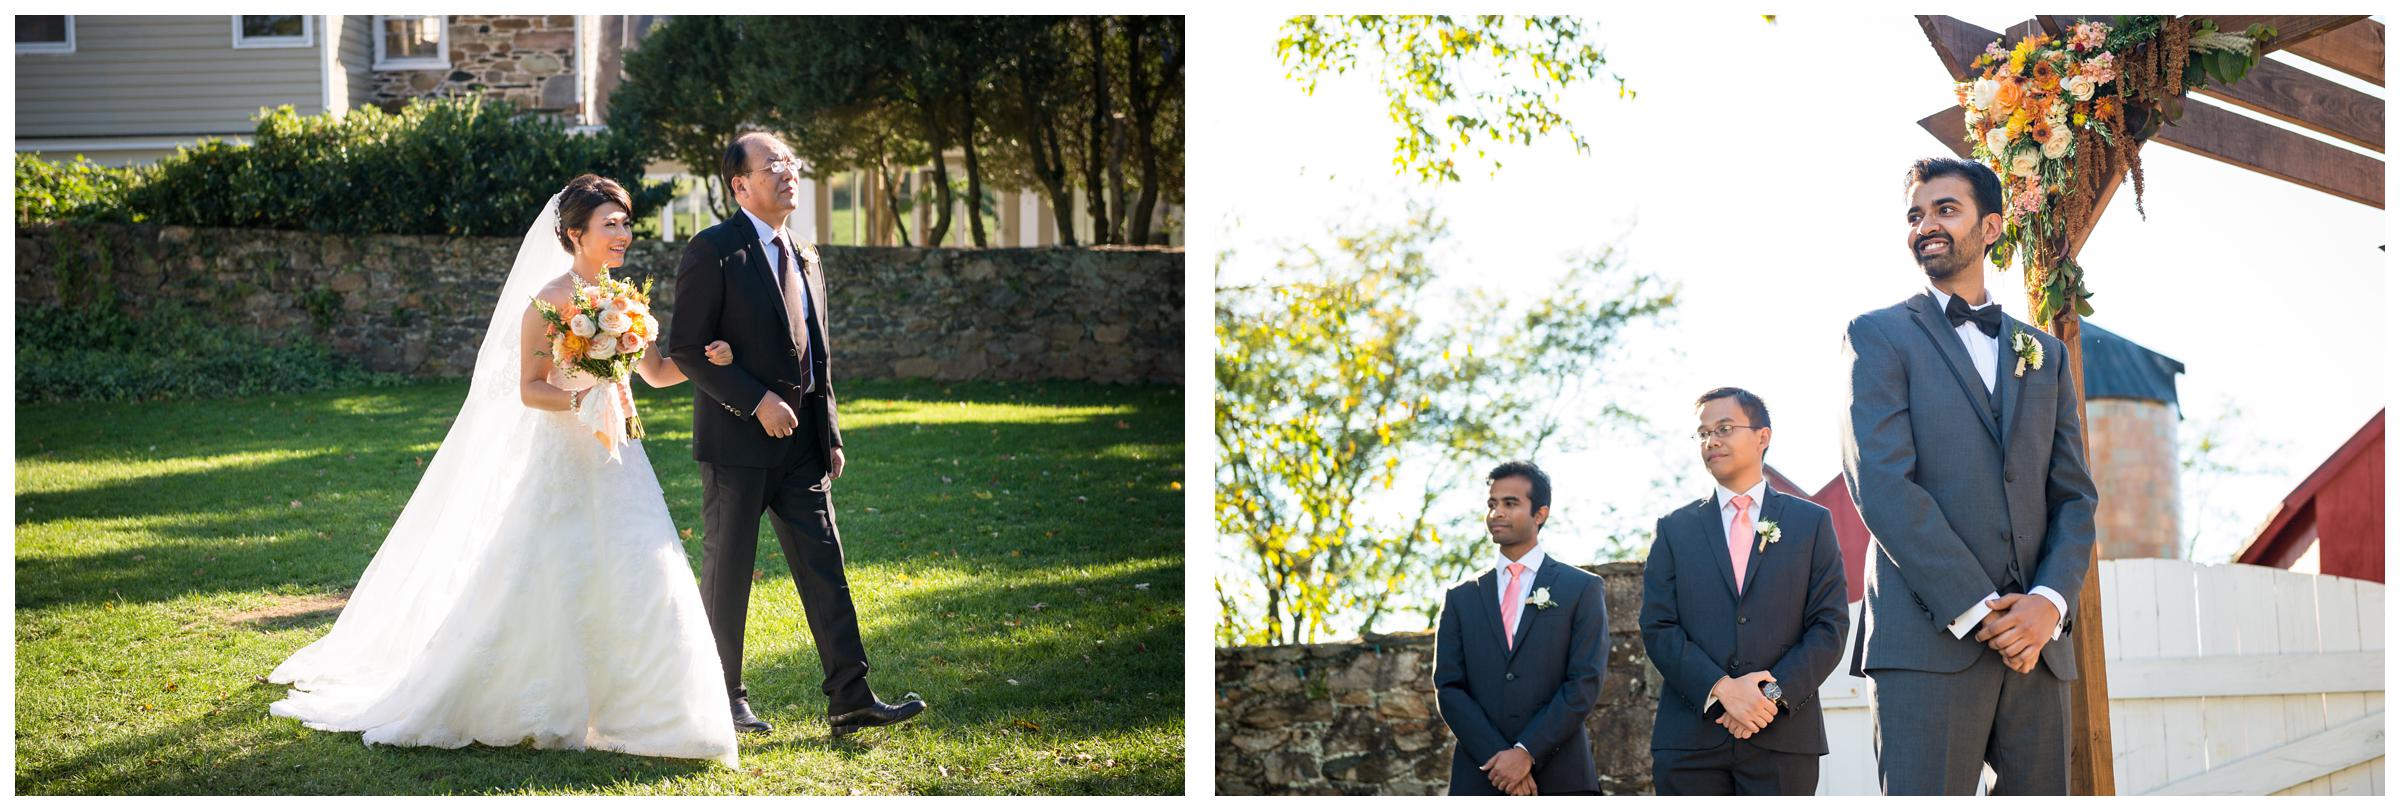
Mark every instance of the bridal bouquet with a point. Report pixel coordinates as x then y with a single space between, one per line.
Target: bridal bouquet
595 340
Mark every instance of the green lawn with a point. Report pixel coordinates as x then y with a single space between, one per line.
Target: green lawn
1016 553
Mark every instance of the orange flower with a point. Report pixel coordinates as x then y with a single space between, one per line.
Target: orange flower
2045 77
2012 93
2106 109
2040 129
573 346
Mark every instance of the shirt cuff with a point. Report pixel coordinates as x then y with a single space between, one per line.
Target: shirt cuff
1965 623
2055 600
1520 745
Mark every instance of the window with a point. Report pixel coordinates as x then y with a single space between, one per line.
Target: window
274 30
45 34
411 42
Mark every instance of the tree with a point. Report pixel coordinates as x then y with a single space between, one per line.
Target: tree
1417 61
688 90
1333 383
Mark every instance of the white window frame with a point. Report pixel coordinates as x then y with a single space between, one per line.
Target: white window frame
67 47
440 60
307 38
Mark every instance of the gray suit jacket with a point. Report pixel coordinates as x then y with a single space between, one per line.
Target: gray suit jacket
1537 693
1966 492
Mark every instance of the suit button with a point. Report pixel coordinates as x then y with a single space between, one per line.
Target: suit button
1512 677
1742 620
1735 664
2009 476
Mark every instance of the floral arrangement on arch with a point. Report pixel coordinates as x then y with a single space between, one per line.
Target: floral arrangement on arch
2055 118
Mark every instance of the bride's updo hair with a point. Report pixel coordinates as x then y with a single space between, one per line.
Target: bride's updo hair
582 196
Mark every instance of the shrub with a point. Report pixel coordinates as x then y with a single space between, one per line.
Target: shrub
76 191
98 352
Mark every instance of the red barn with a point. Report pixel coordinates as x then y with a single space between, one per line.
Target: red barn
2336 514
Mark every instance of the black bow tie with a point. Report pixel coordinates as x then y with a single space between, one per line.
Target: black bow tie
1986 318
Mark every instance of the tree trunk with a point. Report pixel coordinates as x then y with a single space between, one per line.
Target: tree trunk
1096 137
891 196
1147 97
941 175
1049 166
974 170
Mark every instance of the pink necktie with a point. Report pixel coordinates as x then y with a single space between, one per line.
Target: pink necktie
1516 603
1737 542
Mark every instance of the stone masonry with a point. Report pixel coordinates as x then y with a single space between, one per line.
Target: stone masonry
528 61
1361 717
418 305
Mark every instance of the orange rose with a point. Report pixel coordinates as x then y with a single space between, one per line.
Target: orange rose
2012 93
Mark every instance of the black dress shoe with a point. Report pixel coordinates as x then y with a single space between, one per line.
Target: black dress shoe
876 714
744 721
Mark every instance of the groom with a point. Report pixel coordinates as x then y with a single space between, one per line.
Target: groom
764 429
1962 449
1520 656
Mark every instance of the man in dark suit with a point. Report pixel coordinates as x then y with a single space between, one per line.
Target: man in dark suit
1520 656
1743 611
765 429
1964 454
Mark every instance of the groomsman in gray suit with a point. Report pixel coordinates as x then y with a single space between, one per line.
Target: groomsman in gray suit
1743 611
1520 656
1963 451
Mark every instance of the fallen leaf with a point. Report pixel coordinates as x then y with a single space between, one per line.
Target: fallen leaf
758 574
1040 606
1141 587
1029 725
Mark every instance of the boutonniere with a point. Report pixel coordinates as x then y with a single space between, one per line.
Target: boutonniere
1768 532
808 253
1540 599
2029 351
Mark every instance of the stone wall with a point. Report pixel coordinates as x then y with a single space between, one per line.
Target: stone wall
1360 717
418 305
528 61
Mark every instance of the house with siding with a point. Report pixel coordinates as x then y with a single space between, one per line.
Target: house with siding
128 89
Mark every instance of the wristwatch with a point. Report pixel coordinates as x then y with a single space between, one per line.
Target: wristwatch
1774 693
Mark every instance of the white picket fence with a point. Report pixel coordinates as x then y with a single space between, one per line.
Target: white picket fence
2227 679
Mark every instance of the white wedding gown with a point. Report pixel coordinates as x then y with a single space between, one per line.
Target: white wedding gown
533 591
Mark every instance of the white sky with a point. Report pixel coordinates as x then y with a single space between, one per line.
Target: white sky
1762 174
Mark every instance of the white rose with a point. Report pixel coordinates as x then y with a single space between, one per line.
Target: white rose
2081 87
619 304
615 321
1981 95
2025 162
582 326
630 342
603 349
1996 140
2060 139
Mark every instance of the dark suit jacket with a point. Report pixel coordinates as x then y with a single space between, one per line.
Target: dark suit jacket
725 290
1789 619
1537 694
1966 492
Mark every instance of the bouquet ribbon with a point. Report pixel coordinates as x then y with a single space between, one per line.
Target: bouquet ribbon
608 412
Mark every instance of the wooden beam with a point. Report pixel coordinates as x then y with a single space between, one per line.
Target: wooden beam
1957 42
1950 127
2278 153
2292 95
2290 29
2355 49
2290 764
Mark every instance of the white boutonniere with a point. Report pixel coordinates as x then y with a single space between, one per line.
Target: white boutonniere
2029 351
1768 532
1540 599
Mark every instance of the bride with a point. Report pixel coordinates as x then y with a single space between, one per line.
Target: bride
533 590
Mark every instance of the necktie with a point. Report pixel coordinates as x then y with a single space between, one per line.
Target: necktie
1737 542
796 310
1516 603
1986 318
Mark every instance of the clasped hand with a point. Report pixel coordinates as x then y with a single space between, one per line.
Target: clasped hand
1746 709
2018 627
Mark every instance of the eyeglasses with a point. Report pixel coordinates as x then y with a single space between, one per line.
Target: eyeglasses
1721 431
779 167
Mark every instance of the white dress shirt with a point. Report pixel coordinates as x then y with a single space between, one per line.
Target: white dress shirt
1984 350
1533 565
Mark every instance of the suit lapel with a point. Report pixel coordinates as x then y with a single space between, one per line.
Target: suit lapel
2008 389
1771 511
1962 369
1712 530
1489 588
763 269
1541 580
